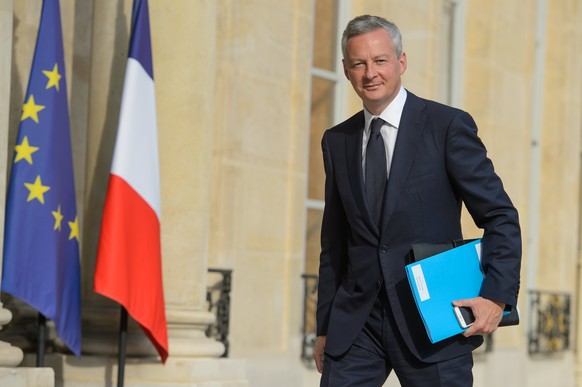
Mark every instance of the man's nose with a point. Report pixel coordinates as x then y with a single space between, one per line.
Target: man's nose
371 71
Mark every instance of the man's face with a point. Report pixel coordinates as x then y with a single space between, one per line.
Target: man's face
373 68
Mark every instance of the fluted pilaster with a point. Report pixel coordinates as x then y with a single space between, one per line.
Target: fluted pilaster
9 356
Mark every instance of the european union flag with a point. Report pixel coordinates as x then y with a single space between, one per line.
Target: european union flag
41 240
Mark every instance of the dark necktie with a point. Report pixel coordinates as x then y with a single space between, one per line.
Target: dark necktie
375 169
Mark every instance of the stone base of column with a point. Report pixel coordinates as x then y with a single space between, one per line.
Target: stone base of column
27 377
186 336
10 356
93 371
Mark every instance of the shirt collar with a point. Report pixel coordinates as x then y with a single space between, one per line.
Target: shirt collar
393 112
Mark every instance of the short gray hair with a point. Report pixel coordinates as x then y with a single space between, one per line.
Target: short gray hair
367 23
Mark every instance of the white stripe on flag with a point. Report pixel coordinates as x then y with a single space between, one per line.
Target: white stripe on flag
135 158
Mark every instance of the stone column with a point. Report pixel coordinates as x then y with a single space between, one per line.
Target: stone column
183 55
184 73
9 356
184 106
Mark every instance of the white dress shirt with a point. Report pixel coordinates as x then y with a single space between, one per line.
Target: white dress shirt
391 116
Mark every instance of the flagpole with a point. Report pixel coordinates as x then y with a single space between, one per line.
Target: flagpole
122 344
40 348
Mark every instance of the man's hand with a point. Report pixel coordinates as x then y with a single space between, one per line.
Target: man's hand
487 314
318 352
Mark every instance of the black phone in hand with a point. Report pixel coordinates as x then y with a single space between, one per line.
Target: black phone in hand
465 316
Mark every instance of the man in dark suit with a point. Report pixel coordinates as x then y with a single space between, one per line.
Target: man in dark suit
430 161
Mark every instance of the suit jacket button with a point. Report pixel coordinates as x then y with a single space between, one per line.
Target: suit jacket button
378 284
384 249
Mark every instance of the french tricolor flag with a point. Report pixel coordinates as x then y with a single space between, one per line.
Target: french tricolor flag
129 265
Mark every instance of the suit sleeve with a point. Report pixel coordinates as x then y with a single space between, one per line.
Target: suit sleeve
473 177
333 257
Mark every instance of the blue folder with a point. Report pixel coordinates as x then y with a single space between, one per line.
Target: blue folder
439 280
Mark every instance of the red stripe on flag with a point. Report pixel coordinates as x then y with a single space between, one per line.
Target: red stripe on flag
129 266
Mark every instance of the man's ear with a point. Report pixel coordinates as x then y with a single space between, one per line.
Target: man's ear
345 69
403 62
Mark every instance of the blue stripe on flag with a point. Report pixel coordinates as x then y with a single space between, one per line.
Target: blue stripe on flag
140 46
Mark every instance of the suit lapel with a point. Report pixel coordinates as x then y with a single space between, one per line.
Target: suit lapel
409 136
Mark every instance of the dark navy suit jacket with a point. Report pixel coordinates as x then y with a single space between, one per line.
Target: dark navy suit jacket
439 163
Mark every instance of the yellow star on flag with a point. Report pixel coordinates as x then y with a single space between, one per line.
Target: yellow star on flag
58 218
37 190
74 229
30 109
24 151
53 77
